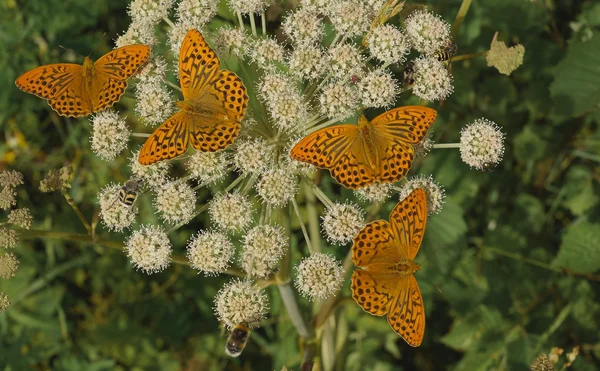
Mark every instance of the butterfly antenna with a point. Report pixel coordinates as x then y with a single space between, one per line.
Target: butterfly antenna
97 44
70 50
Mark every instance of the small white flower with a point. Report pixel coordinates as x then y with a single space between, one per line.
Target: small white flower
338 101
115 215
176 202
137 33
154 102
241 302
8 238
378 89
277 187
252 156
307 62
208 167
110 134
155 175
342 222
10 178
432 79
345 61
427 32
196 13
231 211
350 17
264 245
288 112
319 276
435 192
8 198
149 12
274 84
8 265
231 40
210 252
481 144
265 52
377 192
176 35
388 44
149 249
21 218
304 26
248 6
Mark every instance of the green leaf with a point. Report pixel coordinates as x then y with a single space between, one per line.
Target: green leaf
576 86
580 248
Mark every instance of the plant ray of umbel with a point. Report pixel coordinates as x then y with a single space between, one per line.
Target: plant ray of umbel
279 150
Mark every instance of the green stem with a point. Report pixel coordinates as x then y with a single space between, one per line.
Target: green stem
330 303
198 212
169 22
140 135
462 12
314 226
71 202
291 305
253 25
240 20
464 57
302 226
263 21
446 145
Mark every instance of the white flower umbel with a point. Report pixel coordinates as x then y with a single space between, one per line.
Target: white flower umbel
149 249
378 89
275 84
8 198
149 12
155 175
110 134
338 100
264 245
176 35
241 302
288 112
10 178
231 211
196 13
342 222
388 44
377 192
8 238
210 252
432 79
435 192
154 102
176 202
350 17
427 32
481 144
22 218
307 62
8 265
345 61
277 187
248 6
208 167
115 215
319 276
252 156
231 40
264 52
137 33
304 26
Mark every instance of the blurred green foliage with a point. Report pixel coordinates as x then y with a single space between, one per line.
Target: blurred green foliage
513 259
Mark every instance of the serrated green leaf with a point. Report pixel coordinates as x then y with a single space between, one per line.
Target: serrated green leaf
580 248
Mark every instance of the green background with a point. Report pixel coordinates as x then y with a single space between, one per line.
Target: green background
513 259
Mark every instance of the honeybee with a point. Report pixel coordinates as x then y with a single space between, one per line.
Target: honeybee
128 193
237 340
409 72
447 52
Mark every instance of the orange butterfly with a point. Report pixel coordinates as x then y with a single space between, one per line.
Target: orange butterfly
75 90
215 102
385 252
376 151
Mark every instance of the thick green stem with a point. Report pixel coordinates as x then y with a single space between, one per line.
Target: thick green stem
462 12
314 226
464 57
302 226
446 145
77 211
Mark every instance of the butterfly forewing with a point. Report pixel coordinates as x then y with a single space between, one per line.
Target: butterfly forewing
408 221
406 124
120 64
407 313
168 141
198 65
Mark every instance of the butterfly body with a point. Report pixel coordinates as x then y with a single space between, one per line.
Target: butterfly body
385 283
214 103
78 90
372 151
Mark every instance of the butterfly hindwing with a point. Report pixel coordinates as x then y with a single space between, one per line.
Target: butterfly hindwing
407 313
210 134
374 292
229 90
408 220
325 147
198 66
168 141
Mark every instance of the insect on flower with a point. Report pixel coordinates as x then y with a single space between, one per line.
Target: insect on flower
128 193
447 52
409 72
237 340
